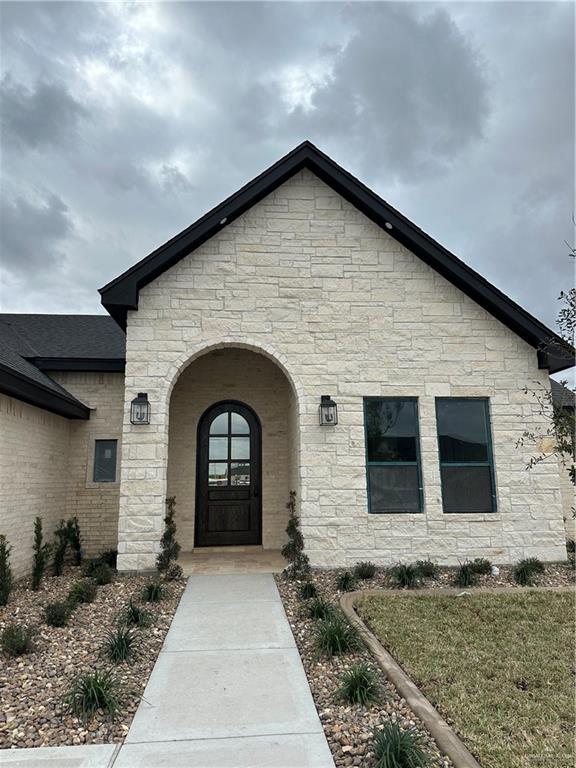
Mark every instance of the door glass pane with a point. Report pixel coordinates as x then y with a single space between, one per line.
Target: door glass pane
240 473
218 448
462 430
239 425
394 489
467 489
217 473
391 430
240 448
220 425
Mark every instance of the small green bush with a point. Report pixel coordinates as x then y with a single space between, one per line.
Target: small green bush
169 547
465 575
84 591
91 691
174 572
133 615
74 539
109 558
153 592
318 608
60 546
57 614
426 569
102 574
119 644
308 590
398 748
404 576
41 555
570 546
5 571
17 640
482 566
345 582
527 570
334 636
365 570
359 685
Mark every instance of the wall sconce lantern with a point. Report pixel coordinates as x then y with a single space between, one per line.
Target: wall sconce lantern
140 409
328 412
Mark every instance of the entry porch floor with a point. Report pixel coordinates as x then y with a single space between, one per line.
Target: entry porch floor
231 560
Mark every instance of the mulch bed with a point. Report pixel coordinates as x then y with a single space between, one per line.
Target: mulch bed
32 687
349 728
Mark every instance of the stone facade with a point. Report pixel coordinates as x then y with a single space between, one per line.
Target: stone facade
341 308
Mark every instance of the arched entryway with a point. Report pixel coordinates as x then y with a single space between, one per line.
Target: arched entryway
228 478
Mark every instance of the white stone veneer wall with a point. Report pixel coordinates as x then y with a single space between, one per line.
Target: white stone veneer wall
345 310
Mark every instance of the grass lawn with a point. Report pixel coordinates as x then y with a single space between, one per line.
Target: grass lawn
498 667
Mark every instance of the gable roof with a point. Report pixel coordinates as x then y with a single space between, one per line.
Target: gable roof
561 395
33 344
121 294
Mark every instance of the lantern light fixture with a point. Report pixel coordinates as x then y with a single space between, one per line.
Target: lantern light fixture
140 409
328 412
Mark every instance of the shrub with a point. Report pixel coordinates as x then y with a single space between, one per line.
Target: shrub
398 748
82 592
404 576
345 582
570 546
481 566
307 590
119 644
17 640
365 570
427 569
334 636
61 535
57 614
174 573
109 558
74 539
169 547
293 551
134 615
91 691
102 574
318 608
5 571
360 685
465 575
41 554
527 570
153 592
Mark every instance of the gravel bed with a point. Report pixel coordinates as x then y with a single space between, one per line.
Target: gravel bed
32 687
349 729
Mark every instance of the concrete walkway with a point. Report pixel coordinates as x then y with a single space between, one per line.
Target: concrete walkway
228 689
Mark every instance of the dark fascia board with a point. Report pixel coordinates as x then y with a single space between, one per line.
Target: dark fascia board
22 388
105 365
121 294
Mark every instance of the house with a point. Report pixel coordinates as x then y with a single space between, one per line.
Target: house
303 298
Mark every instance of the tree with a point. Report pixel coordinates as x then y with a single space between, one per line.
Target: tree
169 547
41 555
293 551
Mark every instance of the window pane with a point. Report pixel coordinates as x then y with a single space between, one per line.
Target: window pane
218 474
391 430
467 489
239 425
240 448
105 461
240 473
220 425
394 489
462 430
218 448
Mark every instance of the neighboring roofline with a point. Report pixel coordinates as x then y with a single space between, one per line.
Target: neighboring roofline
16 385
96 364
121 294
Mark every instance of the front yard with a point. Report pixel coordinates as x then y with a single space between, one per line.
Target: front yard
498 667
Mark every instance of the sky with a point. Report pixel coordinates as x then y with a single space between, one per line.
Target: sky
122 123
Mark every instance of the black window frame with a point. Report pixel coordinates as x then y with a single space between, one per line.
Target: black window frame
417 463
489 462
99 442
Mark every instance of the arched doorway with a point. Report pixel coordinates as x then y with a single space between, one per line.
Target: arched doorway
228 476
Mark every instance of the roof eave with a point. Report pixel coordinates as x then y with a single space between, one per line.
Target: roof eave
22 388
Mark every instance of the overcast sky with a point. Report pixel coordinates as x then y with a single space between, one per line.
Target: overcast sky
125 122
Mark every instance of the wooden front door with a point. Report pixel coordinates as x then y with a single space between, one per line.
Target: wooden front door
228 502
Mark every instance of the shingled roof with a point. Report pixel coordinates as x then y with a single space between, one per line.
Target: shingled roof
33 344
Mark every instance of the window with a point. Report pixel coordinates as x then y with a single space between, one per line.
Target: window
229 450
392 455
105 461
466 465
